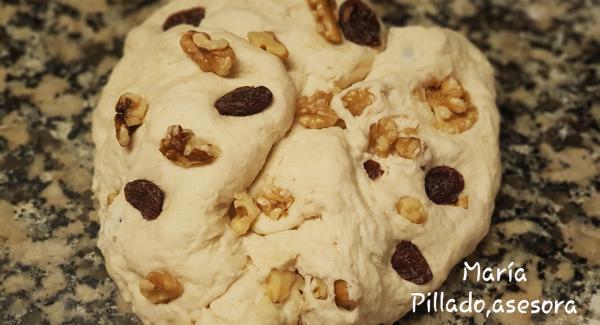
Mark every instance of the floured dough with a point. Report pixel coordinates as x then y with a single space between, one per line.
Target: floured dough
340 223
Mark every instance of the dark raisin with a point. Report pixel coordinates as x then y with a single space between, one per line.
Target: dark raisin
373 169
410 264
192 16
443 184
359 23
146 197
244 101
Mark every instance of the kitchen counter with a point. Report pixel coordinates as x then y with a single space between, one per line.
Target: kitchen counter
55 57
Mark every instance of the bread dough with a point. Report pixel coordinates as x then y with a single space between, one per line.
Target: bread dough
341 224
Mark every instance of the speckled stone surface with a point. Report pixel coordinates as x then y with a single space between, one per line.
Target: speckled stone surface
55 56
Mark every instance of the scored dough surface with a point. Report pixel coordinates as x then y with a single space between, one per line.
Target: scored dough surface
341 224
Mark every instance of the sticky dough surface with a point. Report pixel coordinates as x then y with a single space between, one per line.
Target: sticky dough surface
342 225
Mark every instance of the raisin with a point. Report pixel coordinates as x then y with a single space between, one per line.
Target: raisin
410 264
192 16
443 184
146 197
373 169
359 23
244 101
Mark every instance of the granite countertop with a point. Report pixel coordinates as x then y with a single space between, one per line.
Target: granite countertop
55 56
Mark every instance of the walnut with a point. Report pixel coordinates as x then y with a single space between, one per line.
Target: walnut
211 55
357 100
111 197
182 147
275 201
409 147
245 212
160 287
463 201
130 112
319 288
324 13
450 104
315 112
382 136
412 209
342 297
279 285
268 42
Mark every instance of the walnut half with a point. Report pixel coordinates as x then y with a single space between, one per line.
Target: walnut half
160 287
130 112
324 13
182 147
450 104
315 112
211 55
268 42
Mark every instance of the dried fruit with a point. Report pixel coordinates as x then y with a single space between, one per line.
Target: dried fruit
274 201
409 147
245 212
268 42
146 197
279 284
210 55
382 135
357 100
160 287
130 112
342 297
410 264
319 288
324 13
443 184
412 209
315 112
359 23
182 147
192 16
450 104
373 169
244 101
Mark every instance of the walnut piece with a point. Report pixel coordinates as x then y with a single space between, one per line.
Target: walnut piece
409 147
211 55
357 100
324 13
412 209
182 147
274 201
382 136
315 112
319 288
268 42
111 197
450 104
279 285
342 297
245 212
463 201
160 287
130 112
